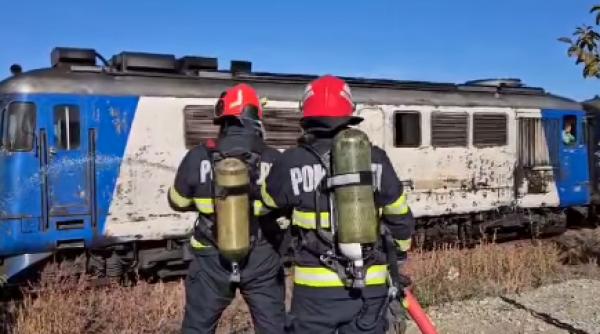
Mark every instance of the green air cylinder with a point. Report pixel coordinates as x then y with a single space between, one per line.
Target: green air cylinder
356 215
233 209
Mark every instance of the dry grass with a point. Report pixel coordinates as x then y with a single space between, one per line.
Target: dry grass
451 274
73 305
67 304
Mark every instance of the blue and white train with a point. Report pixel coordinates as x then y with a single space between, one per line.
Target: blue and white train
90 147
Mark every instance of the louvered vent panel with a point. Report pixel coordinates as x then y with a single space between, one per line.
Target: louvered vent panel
449 129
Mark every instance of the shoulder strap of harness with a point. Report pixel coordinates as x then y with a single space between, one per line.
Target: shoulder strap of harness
325 161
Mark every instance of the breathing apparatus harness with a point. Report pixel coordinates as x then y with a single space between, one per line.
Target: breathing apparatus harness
330 257
251 158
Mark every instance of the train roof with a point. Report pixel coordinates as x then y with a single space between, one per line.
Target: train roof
161 78
592 105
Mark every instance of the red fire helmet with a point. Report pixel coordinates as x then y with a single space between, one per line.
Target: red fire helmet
239 101
328 96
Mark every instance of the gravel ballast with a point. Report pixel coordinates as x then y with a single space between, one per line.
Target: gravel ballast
568 307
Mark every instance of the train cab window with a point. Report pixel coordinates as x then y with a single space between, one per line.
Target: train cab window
19 127
449 129
569 130
67 127
407 129
489 129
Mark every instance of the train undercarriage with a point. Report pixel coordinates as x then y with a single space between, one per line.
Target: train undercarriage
167 259
147 260
504 224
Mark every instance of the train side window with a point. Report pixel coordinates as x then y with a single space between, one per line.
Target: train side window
67 127
569 130
449 129
407 129
489 129
19 127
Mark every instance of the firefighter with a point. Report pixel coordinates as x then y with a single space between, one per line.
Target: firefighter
341 274
235 238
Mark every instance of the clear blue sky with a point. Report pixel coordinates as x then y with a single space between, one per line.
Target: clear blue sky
437 40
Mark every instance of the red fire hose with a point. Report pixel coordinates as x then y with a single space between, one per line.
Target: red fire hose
416 312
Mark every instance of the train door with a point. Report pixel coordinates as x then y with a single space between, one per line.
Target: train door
572 178
20 184
593 142
537 147
69 194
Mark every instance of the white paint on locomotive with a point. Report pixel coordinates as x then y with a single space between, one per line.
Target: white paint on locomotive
440 179
156 145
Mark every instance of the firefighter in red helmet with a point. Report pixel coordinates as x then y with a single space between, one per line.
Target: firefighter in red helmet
254 267
340 283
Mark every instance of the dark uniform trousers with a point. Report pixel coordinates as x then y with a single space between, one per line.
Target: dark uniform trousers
344 315
209 292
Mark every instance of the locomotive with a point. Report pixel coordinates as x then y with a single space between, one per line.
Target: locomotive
90 147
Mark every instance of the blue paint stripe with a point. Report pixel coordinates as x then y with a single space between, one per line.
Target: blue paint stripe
112 118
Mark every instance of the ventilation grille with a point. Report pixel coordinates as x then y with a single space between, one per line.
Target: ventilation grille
282 126
199 125
489 129
538 142
449 129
